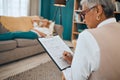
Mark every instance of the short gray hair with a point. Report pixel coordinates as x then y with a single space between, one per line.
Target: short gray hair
107 5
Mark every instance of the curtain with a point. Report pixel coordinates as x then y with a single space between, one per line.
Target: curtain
14 7
34 7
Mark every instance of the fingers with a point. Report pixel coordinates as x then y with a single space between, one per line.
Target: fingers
43 35
65 53
67 56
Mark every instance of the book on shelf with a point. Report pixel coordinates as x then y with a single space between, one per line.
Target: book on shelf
77 17
55 46
117 5
80 30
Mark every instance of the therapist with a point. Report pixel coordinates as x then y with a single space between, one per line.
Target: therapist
97 51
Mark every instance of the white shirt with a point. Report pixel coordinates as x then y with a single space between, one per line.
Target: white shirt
87 55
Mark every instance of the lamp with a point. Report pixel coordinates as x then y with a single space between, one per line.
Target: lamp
59 4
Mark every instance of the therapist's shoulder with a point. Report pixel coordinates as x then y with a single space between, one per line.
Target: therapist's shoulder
85 33
86 36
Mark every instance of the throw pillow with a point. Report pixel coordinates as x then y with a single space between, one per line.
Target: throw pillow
51 27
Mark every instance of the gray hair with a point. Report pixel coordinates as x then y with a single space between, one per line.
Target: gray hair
107 5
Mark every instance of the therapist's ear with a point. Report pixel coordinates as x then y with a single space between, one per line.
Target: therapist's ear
99 12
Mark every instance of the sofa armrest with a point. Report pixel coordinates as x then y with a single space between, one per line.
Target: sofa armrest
58 30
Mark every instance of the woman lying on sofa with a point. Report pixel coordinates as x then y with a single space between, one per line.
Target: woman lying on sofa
42 29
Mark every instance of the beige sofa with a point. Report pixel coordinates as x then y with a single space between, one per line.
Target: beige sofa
12 50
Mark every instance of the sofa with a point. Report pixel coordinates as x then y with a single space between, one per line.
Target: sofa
19 48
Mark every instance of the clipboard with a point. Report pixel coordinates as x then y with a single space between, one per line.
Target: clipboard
55 46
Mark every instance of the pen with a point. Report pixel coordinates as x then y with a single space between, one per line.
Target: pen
67 54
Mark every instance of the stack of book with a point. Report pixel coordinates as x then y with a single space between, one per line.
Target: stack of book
117 5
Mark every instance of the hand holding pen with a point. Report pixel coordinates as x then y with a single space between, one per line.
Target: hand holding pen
67 56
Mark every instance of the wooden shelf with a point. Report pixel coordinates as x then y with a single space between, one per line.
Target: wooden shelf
77 10
116 12
76 33
78 22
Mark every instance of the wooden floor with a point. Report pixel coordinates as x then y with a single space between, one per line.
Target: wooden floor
22 65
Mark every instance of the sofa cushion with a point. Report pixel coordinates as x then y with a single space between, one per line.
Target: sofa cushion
26 42
16 23
19 53
7 45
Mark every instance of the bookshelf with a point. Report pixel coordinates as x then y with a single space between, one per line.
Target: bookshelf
117 10
78 23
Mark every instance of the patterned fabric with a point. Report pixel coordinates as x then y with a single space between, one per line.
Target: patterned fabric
17 23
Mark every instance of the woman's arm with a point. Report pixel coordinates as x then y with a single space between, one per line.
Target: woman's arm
40 33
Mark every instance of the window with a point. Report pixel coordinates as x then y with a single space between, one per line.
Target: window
14 7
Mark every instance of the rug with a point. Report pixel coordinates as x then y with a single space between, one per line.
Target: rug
46 71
